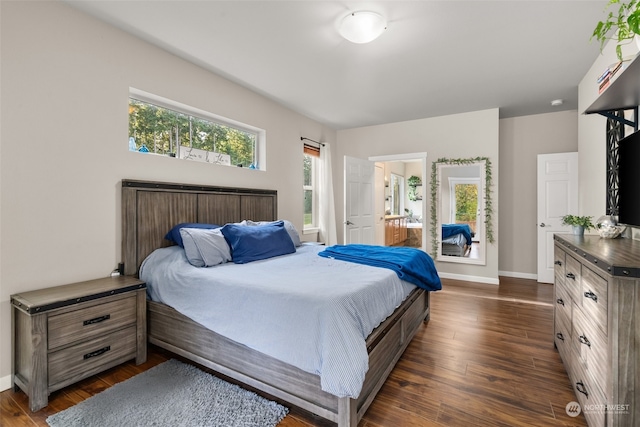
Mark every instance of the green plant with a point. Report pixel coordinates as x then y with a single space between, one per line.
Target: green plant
621 25
413 182
575 220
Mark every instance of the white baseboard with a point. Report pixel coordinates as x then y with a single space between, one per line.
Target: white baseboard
518 275
463 277
5 383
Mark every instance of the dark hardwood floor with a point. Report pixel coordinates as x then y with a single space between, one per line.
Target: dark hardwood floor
486 358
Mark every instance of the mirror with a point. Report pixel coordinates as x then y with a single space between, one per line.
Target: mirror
461 210
396 191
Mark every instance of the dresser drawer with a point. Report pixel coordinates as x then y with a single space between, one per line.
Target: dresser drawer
91 319
562 337
76 362
562 302
559 261
591 400
594 298
592 347
573 270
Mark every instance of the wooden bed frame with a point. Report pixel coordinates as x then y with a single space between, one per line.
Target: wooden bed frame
150 209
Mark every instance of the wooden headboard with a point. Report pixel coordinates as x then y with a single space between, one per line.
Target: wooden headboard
150 209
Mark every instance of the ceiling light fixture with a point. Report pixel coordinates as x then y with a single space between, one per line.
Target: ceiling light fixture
362 26
557 102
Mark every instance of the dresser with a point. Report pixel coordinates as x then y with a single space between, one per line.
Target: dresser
597 325
67 333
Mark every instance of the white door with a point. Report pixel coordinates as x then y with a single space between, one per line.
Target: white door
557 197
359 218
379 203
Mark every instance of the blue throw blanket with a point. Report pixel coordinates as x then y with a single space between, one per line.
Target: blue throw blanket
449 230
410 264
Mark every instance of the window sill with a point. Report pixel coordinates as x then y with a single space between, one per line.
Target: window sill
310 230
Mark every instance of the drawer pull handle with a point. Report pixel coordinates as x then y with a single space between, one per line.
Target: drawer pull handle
571 276
558 263
560 336
103 350
559 301
96 320
584 340
591 295
581 388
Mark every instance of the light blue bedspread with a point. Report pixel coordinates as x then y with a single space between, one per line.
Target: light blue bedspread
311 312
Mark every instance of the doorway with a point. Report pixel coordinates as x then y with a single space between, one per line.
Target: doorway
404 215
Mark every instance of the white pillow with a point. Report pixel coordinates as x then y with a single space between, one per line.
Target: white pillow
291 229
205 247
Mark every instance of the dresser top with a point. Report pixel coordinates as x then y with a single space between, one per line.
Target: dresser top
618 257
41 300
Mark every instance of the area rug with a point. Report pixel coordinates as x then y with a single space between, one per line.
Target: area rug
172 394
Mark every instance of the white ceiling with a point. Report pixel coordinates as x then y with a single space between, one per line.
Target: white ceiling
435 58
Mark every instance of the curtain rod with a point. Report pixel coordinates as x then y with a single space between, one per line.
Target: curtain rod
302 138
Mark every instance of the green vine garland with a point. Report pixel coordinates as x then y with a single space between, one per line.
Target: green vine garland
488 206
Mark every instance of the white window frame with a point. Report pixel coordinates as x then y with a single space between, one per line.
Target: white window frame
453 202
261 134
315 202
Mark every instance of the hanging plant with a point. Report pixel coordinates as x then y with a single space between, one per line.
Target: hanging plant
488 206
621 25
413 182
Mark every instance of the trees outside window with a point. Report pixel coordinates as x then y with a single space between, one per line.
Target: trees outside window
165 131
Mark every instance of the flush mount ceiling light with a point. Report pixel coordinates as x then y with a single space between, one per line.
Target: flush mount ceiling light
557 102
362 26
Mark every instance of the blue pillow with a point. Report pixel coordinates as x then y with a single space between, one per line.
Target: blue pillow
259 242
174 234
291 229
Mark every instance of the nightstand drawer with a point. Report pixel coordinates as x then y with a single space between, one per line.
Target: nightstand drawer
96 319
76 362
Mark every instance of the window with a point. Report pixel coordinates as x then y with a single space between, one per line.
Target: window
311 160
162 127
464 203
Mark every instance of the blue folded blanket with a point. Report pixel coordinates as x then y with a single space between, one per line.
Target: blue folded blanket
410 264
449 230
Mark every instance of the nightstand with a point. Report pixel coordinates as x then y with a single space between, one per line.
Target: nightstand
67 333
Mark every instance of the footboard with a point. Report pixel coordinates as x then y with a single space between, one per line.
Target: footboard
177 333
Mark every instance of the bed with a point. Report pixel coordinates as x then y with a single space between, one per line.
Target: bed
456 239
149 209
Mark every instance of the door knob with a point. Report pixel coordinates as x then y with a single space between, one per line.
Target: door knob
543 224
347 222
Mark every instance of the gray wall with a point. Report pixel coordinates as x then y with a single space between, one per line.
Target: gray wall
464 135
521 140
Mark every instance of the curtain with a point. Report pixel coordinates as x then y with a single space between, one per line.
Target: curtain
327 212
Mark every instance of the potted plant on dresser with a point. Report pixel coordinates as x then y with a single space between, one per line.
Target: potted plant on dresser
578 223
